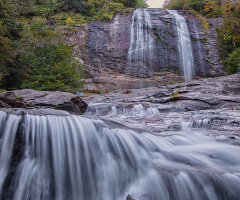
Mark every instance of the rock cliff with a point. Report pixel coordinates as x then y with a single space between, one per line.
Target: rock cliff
107 44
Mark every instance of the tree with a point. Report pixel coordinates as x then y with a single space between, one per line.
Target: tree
233 62
211 9
10 30
197 5
229 36
47 59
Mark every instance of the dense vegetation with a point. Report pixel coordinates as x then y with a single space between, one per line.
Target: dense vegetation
229 32
34 55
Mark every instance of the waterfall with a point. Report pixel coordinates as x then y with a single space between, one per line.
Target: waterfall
141 43
184 45
77 158
9 126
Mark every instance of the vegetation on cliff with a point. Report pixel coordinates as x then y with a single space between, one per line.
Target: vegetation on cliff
229 31
35 55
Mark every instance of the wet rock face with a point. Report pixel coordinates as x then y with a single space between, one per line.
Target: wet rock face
216 68
212 104
106 44
201 62
28 98
165 49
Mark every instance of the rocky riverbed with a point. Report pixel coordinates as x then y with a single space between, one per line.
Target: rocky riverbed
212 105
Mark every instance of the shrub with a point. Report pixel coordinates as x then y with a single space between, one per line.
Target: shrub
49 60
233 62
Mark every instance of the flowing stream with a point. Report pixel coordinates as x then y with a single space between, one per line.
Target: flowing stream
184 45
78 158
141 41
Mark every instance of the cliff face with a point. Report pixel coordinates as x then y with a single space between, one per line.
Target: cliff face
142 43
108 42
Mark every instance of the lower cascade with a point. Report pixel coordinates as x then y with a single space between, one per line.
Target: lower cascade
184 45
77 158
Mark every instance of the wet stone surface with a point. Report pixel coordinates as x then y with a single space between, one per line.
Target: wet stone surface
212 105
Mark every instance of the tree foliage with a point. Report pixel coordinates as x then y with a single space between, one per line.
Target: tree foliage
32 55
10 29
229 36
233 62
211 9
48 59
206 7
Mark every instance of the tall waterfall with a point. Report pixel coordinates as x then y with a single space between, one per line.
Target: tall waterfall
184 45
76 158
141 42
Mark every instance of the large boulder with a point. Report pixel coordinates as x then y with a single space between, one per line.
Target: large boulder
29 98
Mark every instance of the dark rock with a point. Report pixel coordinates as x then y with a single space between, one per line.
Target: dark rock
105 45
28 98
201 64
216 68
129 197
4 105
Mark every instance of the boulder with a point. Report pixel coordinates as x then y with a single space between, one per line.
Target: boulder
129 197
29 98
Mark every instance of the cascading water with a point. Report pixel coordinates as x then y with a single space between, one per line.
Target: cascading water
184 45
76 158
141 43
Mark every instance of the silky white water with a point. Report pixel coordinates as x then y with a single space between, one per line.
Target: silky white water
184 45
141 41
76 158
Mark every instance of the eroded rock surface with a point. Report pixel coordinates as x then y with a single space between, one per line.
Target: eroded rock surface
106 44
212 104
28 98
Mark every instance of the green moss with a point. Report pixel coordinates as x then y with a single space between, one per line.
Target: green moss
176 95
149 100
175 82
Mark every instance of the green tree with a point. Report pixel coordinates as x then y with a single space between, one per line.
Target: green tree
6 50
10 30
176 4
197 5
233 62
47 59
229 36
211 9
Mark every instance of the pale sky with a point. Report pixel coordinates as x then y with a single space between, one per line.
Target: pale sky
155 3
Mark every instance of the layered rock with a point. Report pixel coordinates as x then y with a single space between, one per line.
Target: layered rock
212 104
28 98
106 44
216 67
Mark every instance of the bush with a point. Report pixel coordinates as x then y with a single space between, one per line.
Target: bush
176 4
48 59
211 9
233 62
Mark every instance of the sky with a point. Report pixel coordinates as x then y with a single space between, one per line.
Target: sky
155 3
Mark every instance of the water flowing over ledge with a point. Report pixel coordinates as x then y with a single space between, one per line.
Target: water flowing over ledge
140 52
184 45
73 157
